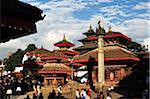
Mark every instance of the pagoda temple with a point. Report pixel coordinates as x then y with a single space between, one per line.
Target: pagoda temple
17 19
55 64
118 60
64 47
111 37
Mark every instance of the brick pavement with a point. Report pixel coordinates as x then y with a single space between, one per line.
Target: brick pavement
68 91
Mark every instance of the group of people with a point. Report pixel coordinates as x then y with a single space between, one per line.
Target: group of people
52 95
87 94
83 94
102 96
35 96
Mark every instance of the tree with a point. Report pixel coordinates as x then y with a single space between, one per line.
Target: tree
136 47
14 60
30 47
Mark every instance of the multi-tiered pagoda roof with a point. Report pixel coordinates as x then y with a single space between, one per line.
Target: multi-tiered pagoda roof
112 55
64 47
64 43
110 37
17 19
115 50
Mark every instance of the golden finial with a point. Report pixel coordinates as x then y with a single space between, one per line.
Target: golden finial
90 28
110 29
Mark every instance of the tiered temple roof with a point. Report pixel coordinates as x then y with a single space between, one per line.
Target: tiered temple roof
40 52
45 55
55 68
17 19
112 55
115 51
110 37
64 48
64 43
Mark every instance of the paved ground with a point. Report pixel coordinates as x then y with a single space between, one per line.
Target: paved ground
68 91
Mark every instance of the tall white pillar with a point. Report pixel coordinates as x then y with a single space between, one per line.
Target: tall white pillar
101 67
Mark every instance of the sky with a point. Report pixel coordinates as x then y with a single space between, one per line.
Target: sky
73 17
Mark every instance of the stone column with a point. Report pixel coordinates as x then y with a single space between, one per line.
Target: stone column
101 67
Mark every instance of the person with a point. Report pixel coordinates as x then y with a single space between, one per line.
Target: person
34 96
18 90
108 96
101 95
77 94
49 96
8 93
89 92
35 88
59 95
2 89
109 88
41 96
53 94
25 57
59 88
27 97
83 94
38 89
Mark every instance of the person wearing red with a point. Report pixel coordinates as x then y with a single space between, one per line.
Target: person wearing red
89 92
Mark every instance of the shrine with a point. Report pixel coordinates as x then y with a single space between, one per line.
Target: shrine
118 61
113 60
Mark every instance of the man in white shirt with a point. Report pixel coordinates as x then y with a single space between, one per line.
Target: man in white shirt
77 94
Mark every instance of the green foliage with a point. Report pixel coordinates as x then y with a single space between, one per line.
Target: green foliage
16 58
30 47
136 47
38 77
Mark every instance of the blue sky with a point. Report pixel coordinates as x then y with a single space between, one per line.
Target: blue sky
73 17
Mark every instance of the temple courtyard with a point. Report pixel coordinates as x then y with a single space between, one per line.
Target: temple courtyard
68 91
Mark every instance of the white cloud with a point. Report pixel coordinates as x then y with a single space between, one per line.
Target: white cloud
144 15
142 5
13 44
104 0
112 12
28 0
134 28
110 9
59 20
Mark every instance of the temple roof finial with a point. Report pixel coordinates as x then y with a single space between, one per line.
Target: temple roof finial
65 38
64 43
41 46
99 24
110 29
90 27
